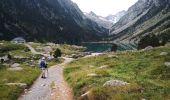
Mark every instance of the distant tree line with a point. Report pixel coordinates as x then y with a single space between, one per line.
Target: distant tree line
155 40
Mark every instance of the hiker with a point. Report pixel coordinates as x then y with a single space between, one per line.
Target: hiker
2 60
43 66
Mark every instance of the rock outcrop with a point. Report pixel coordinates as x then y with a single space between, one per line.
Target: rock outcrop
115 18
115 83
144 17
101 21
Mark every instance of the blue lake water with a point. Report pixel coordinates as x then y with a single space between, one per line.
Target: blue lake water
104 47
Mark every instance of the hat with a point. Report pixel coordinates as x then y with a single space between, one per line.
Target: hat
43 58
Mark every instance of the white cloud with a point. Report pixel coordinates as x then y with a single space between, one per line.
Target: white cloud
104 7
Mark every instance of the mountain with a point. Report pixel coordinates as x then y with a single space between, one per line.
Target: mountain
143 18
101 21
115 18
46 20
106 22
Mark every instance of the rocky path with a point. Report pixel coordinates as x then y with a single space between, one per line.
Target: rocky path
52 88
33 51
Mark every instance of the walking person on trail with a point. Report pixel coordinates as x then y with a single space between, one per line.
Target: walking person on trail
43 66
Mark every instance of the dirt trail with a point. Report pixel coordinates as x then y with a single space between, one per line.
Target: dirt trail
52 88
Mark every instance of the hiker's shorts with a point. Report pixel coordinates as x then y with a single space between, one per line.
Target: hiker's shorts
43 68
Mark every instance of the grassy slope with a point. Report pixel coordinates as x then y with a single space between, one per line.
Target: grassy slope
65 49
149 78
27 75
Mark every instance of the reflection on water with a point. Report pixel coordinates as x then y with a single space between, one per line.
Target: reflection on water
105 47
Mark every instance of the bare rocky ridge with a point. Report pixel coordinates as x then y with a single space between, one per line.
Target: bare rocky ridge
106 22
101 21
142 18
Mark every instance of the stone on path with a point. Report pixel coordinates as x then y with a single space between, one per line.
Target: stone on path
22 85
163 54
115 83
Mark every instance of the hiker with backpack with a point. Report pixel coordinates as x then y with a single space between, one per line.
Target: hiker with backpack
43 66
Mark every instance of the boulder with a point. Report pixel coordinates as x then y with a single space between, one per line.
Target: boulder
112 56
19 57
148 48
92 75
47 49
91 66
22 85
163 54
15 69
85 95
15 65
115 83
167 64
103 67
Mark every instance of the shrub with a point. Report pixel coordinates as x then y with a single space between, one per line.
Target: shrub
9 56
148 40
57 53
9 47
114 47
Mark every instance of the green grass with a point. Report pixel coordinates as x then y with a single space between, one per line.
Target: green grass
27 75
65 48
55 61
21 53
7 46
149 78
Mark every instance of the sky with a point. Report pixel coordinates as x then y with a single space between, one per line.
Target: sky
104 7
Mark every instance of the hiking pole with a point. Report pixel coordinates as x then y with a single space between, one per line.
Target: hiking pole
47 72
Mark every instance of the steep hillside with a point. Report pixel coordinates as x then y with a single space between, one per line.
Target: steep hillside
101 21
143 18
46 20
115 18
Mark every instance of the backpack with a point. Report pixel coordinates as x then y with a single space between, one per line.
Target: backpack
43 64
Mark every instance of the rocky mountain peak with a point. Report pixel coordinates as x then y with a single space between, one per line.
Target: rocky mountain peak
91 13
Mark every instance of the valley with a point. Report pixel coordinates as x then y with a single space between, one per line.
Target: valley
122 56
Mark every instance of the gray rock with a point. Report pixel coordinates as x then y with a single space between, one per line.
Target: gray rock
163 54
92 75
112 56
167 64
85 94
15 65
15 69
22 85
115 83
103 67
19 57
148 48
91 66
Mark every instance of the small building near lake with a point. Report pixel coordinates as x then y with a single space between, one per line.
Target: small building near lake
18 40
